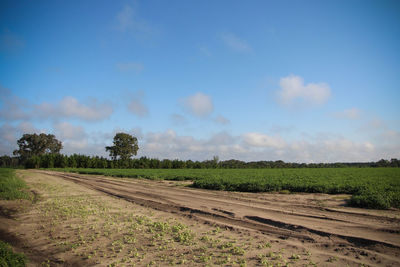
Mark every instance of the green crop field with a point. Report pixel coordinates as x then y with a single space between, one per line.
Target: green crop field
370 187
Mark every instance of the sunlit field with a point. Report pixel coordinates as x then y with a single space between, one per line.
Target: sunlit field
370 187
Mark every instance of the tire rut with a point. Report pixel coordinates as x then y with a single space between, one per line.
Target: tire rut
213 213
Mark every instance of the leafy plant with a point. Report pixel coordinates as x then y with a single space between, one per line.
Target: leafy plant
9 258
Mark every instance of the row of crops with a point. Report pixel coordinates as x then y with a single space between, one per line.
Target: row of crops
370 187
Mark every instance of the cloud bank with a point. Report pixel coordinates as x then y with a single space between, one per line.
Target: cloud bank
70 107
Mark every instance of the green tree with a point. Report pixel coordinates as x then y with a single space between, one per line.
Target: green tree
125 146
36 145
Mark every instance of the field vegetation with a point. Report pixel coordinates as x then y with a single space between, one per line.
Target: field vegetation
75 224
370 187
11 187
9 258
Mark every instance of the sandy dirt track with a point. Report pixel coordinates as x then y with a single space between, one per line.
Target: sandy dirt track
318 222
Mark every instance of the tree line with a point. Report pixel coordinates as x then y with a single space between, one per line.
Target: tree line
83 161
43 151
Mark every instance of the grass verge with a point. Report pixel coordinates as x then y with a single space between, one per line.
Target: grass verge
11 187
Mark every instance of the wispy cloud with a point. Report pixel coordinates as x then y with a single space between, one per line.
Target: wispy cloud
11 132
205 51
127 20
130 66
178 120
349 114
222 120
10 40
293 92
199 105
138 108
13 107
235 43
136 105
67 131
70 107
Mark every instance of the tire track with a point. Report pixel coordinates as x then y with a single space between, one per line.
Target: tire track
244 213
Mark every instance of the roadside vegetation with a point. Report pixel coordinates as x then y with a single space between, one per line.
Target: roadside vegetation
377 188
11 187
8 258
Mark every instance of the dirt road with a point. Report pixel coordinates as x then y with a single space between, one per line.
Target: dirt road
321 223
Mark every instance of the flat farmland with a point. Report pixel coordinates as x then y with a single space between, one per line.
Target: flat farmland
370 187
84 220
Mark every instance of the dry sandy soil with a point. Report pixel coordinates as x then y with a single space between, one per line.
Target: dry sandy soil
81 220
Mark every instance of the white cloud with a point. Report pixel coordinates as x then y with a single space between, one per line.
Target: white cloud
374 125
222 120
350 114
330 150
199 105
263 140
235 43
13 107
250 146
170 145
293 92
85 147
27 127
66 131
69 107
10 133
258 146
130 66
221 138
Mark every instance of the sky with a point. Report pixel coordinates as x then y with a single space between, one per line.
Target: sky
298 81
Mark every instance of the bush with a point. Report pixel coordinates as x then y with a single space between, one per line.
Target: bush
371 199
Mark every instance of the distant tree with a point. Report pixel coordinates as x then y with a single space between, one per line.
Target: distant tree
125 146
166 164
36 145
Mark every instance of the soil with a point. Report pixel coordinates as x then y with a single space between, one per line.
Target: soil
271 228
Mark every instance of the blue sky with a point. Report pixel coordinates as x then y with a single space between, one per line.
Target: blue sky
303 81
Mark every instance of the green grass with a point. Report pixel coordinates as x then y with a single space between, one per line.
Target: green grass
11 187
9 258
371 187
